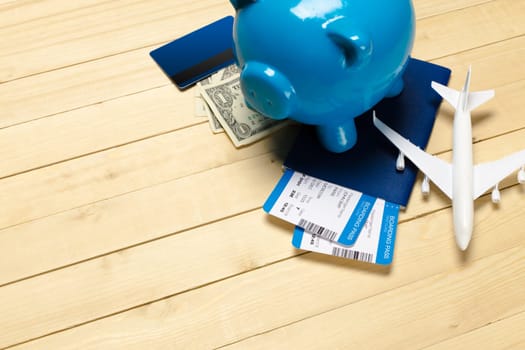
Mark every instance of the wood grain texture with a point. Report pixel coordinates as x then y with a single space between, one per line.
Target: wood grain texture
504 334
126 224
410 317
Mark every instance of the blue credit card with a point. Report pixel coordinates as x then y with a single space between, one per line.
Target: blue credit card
198 54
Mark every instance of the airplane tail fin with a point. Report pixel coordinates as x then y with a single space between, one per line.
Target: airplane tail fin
450 95
476 99
473 100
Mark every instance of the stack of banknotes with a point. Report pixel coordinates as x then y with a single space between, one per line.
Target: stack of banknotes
219 98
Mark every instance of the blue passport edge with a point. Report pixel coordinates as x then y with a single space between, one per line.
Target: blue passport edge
412 114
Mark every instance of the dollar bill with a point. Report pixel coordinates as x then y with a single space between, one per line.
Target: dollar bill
201 108
242 124
228 72
215 125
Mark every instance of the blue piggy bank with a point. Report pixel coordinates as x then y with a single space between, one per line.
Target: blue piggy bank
322 62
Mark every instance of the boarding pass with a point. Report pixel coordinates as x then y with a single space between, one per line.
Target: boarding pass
375 243
332 212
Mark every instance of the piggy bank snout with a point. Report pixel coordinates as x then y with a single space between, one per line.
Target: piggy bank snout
267 90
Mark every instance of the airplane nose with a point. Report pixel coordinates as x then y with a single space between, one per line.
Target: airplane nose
462 243
267 90
463 235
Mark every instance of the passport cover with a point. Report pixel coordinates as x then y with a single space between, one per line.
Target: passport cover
370 166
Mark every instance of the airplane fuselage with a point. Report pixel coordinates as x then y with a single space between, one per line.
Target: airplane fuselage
462 175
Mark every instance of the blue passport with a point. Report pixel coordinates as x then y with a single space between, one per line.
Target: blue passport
370 166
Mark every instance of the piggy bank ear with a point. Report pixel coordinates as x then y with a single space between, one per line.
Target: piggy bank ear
238 4
356 45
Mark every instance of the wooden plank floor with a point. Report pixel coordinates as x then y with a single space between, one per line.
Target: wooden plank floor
126 224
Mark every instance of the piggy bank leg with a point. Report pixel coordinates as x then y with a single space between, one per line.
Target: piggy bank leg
338 138
397 87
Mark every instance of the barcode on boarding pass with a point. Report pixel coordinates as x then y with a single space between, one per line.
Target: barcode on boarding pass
352 254
320 231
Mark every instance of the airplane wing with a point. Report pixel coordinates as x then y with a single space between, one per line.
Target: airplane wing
487 175
437 170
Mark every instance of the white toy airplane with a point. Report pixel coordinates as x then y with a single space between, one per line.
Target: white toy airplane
461 181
